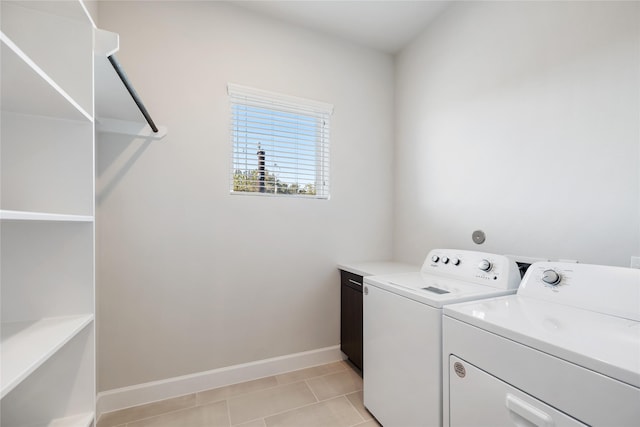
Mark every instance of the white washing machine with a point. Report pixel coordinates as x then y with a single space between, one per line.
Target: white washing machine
402 330
563 351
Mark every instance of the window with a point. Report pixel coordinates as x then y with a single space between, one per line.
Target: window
280 144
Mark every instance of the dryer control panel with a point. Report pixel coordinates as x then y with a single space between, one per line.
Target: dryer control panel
497 271
601 288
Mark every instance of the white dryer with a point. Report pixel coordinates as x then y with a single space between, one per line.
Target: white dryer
563 351
402 330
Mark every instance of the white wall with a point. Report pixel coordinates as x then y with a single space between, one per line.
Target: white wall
521 119
189 277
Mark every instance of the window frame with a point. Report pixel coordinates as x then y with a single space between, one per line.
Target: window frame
279 104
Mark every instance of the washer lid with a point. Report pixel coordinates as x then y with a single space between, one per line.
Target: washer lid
434 290
606 344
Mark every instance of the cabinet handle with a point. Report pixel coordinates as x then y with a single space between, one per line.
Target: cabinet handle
355 283
528 412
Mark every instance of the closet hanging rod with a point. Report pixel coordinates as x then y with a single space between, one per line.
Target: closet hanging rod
132 92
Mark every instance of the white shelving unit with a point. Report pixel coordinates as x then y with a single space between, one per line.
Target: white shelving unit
54 70
47 353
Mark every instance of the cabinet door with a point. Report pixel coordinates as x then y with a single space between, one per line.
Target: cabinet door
351 317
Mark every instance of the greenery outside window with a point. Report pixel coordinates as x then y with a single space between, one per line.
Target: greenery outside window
280 144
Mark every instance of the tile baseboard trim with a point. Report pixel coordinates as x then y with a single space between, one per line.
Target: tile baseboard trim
140 394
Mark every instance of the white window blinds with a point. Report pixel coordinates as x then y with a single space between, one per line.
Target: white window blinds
280 144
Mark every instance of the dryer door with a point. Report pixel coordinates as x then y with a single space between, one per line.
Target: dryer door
479 399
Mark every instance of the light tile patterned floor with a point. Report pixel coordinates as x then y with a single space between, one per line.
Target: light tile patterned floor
323 396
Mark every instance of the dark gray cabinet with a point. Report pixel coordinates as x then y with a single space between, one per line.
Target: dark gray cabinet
351 316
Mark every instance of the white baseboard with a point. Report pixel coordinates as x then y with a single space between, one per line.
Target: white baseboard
140 394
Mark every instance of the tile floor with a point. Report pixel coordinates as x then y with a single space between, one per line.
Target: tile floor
323 396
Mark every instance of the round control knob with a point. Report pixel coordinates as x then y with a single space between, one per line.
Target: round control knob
551 277
445 260
455 261
484 265
435 258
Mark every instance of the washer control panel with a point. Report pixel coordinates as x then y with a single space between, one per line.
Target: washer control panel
493 270
485 265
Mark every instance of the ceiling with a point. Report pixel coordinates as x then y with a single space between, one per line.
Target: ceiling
385 25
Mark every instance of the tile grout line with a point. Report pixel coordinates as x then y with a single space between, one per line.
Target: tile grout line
195 405
312 392
278 384
226 400
270 388
126 423
305 380
318 400
312 377
154 416
286 410
355 409
295 409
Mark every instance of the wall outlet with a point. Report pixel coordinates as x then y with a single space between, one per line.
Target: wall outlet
635 262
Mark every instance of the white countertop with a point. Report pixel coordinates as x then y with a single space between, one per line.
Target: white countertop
376 268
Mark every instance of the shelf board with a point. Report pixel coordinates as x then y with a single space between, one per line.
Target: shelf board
27 345
80 420
74 10
42 216
124 127
28 89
